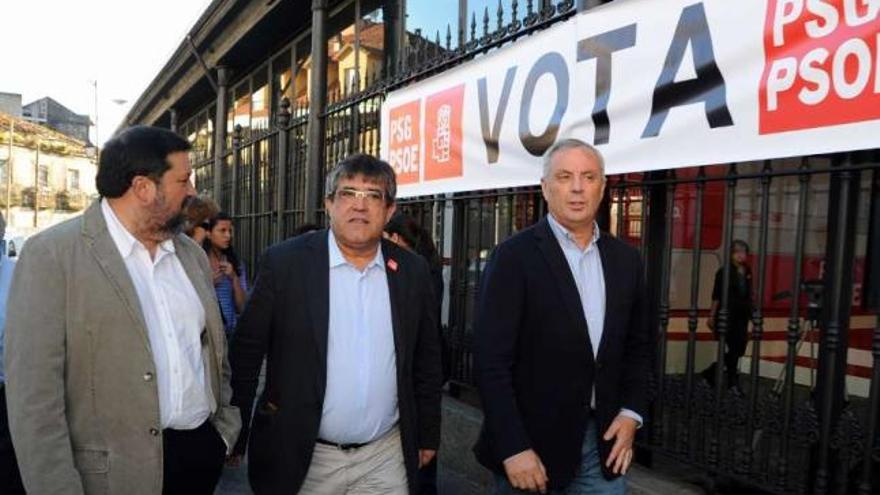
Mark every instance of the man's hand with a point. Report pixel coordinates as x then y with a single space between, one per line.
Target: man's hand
425 457
623 428
526 472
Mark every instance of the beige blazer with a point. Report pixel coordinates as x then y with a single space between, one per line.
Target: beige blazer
81 390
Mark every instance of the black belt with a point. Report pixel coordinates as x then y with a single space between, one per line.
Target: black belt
342 446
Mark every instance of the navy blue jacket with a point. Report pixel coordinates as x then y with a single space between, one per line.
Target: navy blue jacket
533 359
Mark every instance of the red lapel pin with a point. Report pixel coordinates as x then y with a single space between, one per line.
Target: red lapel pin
392 264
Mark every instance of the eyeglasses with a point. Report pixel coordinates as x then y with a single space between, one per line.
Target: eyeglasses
349 195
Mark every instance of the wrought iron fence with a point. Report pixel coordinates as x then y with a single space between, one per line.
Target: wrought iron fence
804 417
781 431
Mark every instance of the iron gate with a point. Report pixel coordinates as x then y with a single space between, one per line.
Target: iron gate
806 419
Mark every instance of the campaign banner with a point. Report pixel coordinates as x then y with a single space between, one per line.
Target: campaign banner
654 85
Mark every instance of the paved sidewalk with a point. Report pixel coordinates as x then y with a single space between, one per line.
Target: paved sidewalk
459 473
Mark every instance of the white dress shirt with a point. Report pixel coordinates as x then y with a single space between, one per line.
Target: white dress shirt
175 318
360 401
586 268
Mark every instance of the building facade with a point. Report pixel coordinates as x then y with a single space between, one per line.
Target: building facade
45 176
10 104
291 90
48 112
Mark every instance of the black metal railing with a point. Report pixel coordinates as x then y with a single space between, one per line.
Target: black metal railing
805 415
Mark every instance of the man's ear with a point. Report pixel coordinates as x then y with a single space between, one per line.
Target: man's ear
328 202
143 188
390 212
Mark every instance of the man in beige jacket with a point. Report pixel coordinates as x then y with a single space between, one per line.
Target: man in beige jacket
117 377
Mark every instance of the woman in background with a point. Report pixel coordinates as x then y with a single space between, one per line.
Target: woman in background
403 230
230 280
198 211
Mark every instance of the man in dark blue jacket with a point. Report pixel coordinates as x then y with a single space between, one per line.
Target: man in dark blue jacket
563 348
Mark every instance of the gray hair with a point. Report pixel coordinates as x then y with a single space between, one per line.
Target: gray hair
572 144
368 166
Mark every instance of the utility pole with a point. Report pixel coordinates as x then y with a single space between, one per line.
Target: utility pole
37 183
97 137
9 167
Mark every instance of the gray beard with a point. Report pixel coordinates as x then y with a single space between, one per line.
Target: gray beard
176 224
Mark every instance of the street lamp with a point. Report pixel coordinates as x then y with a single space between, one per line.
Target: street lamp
116 101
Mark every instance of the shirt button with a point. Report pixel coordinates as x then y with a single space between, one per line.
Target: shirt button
154 432
148 376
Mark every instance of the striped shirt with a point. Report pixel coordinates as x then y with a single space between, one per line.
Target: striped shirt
226 297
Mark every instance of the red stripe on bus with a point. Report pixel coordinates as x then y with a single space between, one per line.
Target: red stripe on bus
859 338
808 362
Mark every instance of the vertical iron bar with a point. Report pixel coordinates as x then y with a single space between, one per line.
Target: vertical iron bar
665 280
723 318
693 311
758 314
393 33
220 131
871 444
837 301
461 322
621 205
281 167
794 324
317 105
236 164
872 276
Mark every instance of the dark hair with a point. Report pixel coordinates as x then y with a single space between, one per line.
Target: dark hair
199 211
406 227
417 237
229 252
368 166
139 150
739 243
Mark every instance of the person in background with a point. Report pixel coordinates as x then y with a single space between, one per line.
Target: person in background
739 312
198 212
10 478
404 231
230 280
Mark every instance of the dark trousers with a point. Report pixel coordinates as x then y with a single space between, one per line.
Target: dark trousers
428 478
10 479
193 460
736 341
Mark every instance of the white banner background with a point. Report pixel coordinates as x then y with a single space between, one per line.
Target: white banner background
737 31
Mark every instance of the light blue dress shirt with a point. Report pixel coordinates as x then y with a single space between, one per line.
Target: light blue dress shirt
360 402
7 266
586 268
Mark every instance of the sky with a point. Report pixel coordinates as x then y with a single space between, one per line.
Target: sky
58 48
432 16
